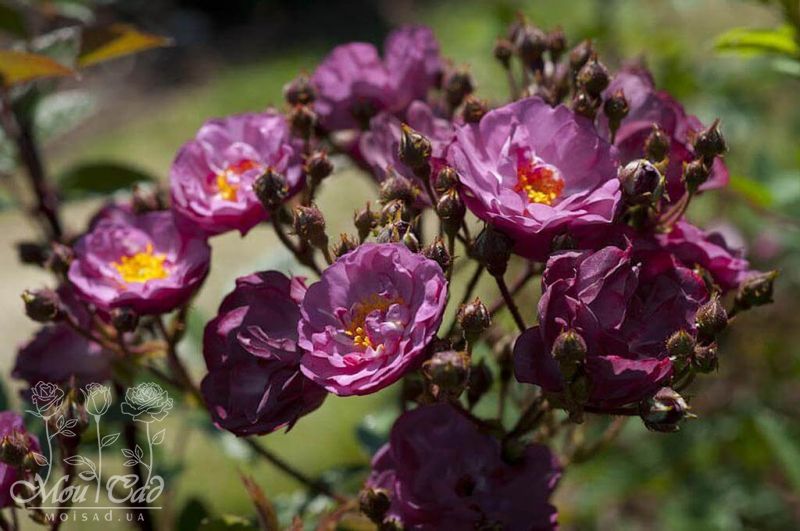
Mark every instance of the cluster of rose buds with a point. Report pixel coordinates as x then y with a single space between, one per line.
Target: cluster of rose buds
583 177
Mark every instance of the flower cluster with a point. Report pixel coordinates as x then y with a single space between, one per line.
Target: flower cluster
582 177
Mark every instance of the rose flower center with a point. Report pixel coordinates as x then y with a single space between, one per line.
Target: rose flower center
227 180
357 329
142 266
541 182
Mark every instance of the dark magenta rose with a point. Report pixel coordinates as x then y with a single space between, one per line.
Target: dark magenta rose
625 304
442 473
534 172
140 261
368 319
12 429
211 179
648 106
354 83
57 353
254 384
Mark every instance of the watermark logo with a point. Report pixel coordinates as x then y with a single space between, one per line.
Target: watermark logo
147 405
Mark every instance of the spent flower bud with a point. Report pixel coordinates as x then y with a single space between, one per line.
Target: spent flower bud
695 173
503 51
710 143
410 240
271 189
556 43
656 147
756 290
473 318
451 210
492 248
586 105
397 187
374 503
446 179
124 319
474 109
13 448
318 166
299 91
593 77
616 109
365 220
448 372
345 244
706 358
437 251
457 86
43 306
415 149
711 319
60 258
579 55
681 345
309 225
302 120
664 411
531 44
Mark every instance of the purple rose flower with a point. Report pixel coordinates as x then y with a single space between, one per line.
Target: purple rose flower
254 385
693 246
535 172
379 145
369 318
56 353
625 304
648 106
442 473
212 176
12 429
140 261
353 83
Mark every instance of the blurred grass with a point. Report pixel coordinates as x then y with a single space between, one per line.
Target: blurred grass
721 472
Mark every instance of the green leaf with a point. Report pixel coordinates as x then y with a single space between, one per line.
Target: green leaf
12 21
373 431
99 178
782 444
20 67
192 515
106 43
747 41
226 523
752 190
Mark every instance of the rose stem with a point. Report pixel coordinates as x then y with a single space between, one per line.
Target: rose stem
509 300
473 282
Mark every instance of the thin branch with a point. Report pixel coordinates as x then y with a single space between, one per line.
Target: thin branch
509 300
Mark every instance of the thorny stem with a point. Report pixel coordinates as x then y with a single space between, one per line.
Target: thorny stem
509 301
301 257
517 285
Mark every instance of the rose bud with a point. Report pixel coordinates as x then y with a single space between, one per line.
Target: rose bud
32 253
43 306
437 251
415 149
593 77
664 411
711 319
556 43
448 372
563 242
474 319
756 290
492 248
410 240
446 179
585 104
695 173
299 91
580 54
309 225
503 51
531 44
345 244
616 109
569 349
303 120
318 166
680 345
451 211
710 143
60 258
271 189
706 358
656 147
374 503
32 461
457 86
641 182
480 381
397 187
365 220
13 448
124 319
474 110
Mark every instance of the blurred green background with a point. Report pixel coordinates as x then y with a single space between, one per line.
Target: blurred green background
736 467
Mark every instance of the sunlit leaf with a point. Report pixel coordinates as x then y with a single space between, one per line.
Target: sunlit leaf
106 43
99 178
20 67
752 190
759 41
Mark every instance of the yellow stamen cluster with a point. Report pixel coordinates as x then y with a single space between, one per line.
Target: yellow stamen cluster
357 328
541 184
227 189
142 266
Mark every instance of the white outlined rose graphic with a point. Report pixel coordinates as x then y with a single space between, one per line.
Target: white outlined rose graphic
147 402
45 396
98 399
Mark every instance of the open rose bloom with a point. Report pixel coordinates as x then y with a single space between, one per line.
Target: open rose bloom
254 384
139 261
212 177
535 172
369 318
442 473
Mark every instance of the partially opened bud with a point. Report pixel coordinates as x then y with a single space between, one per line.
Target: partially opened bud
711 319
309 225
415 149
271 189
664 411
437 251
43 306
13 449
756 290
365 220
474 319
446 179
641 182
569 349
